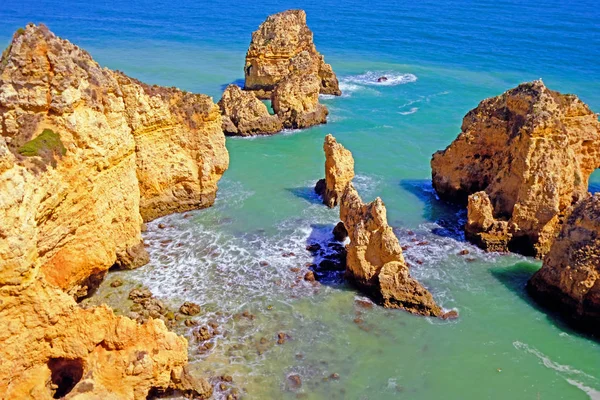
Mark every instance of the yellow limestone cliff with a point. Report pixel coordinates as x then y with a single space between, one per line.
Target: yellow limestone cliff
87 154
339 172
522 159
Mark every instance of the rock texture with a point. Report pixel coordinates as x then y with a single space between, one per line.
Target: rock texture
569 279
524 158
339 172
245 115
277 41
374 257
87 154
295 98
50 347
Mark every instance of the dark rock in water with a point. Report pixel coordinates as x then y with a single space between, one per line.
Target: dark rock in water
382 79
452 314
227 378
363 303
309 276
137 295
464 252
313 247
162 226
190 322
202 334
320 187
339 232
189 308
263 263
294 381
331 265
116 283
334 376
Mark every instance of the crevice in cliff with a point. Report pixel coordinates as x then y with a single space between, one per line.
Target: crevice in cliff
65 374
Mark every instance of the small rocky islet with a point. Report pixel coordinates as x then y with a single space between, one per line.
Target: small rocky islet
88 155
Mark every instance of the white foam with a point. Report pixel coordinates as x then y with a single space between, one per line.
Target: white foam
370 78
411 111
563 370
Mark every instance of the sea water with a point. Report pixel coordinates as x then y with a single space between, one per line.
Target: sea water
441 59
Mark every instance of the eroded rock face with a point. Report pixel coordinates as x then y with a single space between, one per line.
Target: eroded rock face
339 171
85 153
375 261
245 115
52 347
113 150
277 41
569 279
295 98
531 150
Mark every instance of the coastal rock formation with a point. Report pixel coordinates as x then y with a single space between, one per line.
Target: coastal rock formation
374 257
523 157
277 41
295 98
50 347
87 154
339 171
569 279
245 115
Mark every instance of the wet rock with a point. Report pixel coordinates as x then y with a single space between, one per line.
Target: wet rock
116 283
309 276
282 337
382 79
313 247
138 295
263 263
202 334
464 252
294 381
527 155
189 308
334 376
162 226
452 314
339 232
227 378
363 304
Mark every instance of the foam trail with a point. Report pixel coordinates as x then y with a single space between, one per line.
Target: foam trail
370 78
411 111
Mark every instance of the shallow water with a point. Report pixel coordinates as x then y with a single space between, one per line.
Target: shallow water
442 59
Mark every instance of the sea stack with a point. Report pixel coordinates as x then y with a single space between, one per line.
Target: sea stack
276 42
374 259
245 115
522 159
339 172
569 280
86 155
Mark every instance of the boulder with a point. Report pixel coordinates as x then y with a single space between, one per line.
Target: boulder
531 151
339 171
245 115
279 39
374 259
569 279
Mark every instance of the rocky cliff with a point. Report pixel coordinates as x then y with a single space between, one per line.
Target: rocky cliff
569 279
521 160
85 155
276 42
339 171
374 257
245 115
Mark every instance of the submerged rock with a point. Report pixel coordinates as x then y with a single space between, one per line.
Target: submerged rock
86 155
521 160
374 258
569 279
276 42
245 115
339 172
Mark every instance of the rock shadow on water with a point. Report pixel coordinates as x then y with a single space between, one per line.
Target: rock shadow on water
239 82
306 193
451 218
328 256
515 278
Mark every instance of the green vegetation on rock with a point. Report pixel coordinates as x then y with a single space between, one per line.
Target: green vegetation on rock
47 142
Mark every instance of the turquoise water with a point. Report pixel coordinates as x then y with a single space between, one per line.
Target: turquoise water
442 60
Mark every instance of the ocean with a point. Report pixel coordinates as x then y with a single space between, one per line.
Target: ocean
441 59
